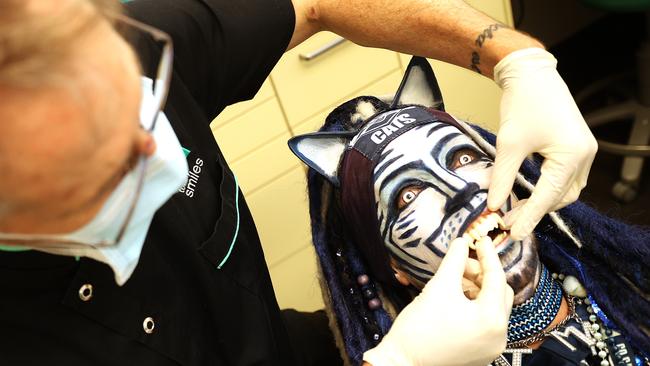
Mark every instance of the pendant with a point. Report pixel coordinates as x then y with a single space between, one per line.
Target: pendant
517 356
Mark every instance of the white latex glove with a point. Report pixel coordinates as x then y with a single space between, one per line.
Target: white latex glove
538 114
441 326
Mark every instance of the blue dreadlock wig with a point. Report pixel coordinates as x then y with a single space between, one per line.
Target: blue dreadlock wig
609 257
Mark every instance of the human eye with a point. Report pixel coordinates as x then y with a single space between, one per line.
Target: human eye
462 157
407 195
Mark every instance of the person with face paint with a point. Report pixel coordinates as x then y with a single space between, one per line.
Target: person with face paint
124 236
398 188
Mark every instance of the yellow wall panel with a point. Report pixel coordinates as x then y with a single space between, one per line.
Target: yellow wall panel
264 164
306 87
296 283
385 86
281 213
250 131
500 10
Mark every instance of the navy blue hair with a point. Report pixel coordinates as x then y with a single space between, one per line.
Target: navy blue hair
612 263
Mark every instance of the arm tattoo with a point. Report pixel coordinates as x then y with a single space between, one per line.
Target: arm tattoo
486 34
476 60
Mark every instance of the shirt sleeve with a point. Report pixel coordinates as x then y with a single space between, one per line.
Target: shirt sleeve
223 49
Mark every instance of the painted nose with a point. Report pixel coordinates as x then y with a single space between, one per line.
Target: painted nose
462 198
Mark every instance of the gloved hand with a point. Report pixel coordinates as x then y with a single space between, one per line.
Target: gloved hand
441 326
538 114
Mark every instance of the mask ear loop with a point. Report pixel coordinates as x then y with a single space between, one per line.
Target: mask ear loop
521 180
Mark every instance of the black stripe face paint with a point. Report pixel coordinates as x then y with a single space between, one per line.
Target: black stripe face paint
415 180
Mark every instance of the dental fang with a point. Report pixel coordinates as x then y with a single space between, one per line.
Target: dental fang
482 226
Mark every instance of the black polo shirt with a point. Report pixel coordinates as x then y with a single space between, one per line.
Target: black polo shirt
178 308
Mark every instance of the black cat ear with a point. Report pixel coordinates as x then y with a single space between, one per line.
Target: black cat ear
322 151
419 86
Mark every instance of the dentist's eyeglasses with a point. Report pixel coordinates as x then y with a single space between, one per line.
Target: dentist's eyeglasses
134 32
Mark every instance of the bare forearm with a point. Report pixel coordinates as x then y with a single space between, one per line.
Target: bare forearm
447 30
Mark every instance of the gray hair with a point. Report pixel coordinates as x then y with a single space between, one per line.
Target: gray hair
36 37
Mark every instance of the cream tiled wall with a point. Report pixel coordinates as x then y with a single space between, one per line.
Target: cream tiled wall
296 99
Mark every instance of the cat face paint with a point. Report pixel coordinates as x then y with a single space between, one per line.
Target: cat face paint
430 187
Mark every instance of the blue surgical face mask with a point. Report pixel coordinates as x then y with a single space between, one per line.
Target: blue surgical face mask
166 173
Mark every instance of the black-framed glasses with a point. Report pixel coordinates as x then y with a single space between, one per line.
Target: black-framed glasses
127 27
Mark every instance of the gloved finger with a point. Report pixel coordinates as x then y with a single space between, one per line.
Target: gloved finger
551 187
511 216
450 271
472 271
505 169
494 283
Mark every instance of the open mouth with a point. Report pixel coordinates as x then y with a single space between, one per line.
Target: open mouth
488 224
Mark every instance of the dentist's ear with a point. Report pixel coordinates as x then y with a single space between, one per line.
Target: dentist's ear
145 144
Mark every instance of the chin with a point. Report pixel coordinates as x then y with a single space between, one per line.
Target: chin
521 265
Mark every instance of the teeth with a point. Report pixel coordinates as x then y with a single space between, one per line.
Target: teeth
473 233
502 224
482 226
499 238
472 245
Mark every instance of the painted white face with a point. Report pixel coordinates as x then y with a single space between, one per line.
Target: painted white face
430 187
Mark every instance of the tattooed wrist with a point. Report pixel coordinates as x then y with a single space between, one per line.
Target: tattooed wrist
487 33
476 60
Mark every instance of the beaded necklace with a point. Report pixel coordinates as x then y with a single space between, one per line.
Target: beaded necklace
611 346
537 313
593 328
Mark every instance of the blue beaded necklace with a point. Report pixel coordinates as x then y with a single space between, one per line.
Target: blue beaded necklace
536 314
